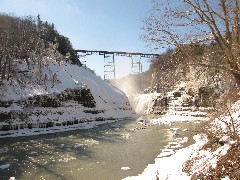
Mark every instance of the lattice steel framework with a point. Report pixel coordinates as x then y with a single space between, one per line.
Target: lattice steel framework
109 60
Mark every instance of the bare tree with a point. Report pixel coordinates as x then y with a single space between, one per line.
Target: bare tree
174 24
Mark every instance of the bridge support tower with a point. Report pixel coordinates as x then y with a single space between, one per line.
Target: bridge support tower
109 60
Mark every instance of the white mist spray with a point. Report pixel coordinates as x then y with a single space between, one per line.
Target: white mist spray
141 103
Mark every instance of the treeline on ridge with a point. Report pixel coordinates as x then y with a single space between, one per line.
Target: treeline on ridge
30 39
199 65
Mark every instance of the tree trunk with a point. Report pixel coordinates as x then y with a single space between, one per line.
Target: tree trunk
4 70
9 68
1 67
237 78
0 64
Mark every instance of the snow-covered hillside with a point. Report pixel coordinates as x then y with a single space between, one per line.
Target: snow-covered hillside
60 97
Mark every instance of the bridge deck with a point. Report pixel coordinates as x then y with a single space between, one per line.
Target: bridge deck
118 53
109 60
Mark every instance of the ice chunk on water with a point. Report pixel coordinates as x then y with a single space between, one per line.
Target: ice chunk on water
125 168
166 152
78 145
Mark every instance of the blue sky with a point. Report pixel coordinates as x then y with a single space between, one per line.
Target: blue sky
113 25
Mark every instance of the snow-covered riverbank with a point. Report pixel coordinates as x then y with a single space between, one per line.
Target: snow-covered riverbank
193 160
170 162
170 166
51 130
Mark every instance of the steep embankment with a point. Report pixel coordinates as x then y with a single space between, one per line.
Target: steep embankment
64 95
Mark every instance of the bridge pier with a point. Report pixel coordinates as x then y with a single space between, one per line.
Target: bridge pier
136 64
109 66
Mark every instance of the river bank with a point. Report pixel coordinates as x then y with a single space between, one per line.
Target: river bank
169 165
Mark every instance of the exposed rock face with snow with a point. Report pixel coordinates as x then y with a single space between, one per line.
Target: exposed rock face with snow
158 103
182 96
67 94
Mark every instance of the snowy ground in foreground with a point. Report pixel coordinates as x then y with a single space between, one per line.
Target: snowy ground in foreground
170 162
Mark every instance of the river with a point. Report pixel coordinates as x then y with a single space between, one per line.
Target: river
98 153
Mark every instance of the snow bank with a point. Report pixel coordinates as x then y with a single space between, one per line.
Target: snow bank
230 122
169 164
204 159
51 130
182 115
171 167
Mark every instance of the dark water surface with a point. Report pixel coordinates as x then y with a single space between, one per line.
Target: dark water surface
97 153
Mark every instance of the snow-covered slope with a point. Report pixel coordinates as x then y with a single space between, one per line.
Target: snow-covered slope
66 76
18 98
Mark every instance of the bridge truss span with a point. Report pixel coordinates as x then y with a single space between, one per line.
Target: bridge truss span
109 60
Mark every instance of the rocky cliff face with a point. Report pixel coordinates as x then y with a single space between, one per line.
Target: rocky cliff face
169 73
69 95
153 100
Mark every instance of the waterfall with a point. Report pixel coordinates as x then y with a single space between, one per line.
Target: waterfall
143 103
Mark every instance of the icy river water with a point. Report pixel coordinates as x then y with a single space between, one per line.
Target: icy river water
98 153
